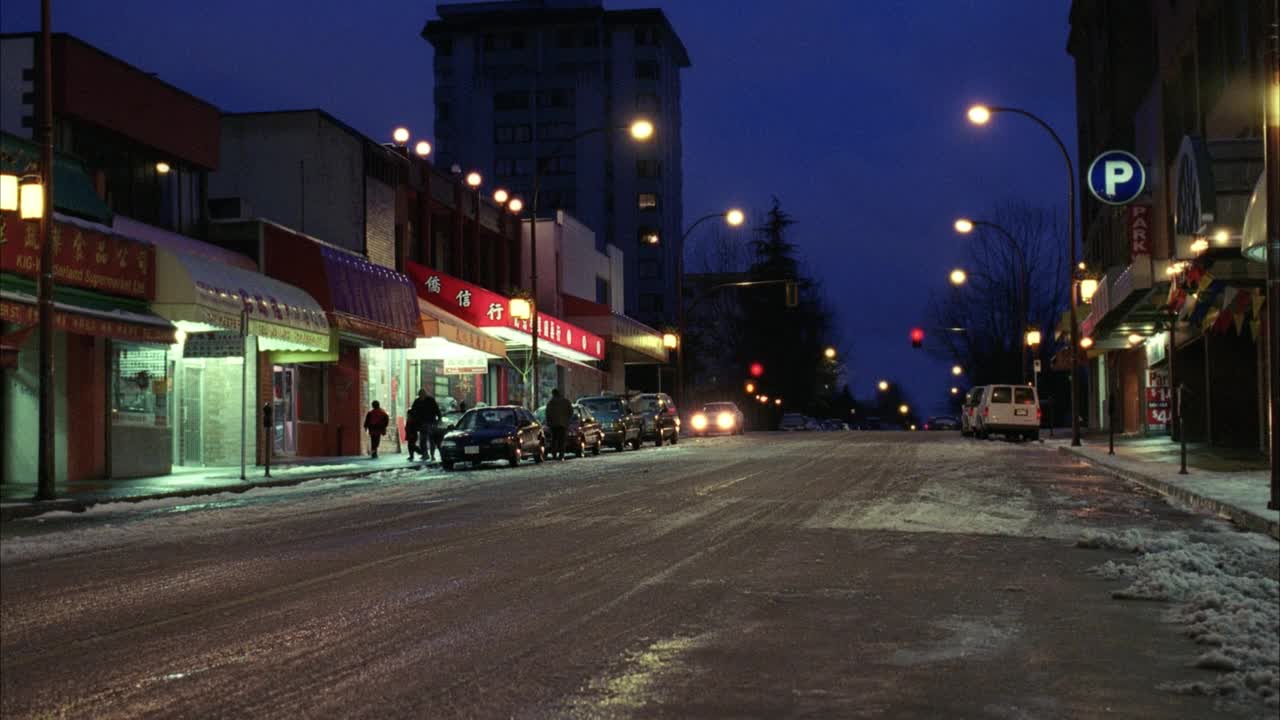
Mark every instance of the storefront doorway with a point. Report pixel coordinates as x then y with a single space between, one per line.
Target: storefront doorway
284 410
191 413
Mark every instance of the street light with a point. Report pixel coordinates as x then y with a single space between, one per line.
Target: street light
8 192
829 353
955 390
958 277
903 409
518 308
474 179
964 226
883 385
163 168
750 388
778 402
501 196
641 130
400 135
1033 338
957 370
31 198
670 341
764 398
422 148
735 217
1088 287
515 205
1086 342
981 115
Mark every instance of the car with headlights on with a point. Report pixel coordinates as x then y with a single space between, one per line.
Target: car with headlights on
584 432
721 417
504 433
620 426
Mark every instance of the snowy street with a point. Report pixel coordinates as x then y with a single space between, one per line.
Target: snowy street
772 575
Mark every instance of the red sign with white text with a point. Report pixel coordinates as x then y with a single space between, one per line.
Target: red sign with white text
488 309
84 258
1138 224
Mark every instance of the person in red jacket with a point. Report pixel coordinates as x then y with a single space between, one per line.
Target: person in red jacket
376 423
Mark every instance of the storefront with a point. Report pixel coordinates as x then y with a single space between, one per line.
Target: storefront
320 397
455 362
111 352
628 342
564 350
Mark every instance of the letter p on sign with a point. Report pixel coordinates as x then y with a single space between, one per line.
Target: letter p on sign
1116 177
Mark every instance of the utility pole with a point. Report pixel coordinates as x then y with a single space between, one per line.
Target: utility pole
47 472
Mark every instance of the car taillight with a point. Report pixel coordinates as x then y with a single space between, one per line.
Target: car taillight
1039 414
985 411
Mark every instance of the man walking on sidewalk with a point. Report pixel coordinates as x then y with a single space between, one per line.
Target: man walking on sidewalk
375 422
558 411
425 415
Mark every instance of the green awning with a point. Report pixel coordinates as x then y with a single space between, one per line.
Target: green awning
73 191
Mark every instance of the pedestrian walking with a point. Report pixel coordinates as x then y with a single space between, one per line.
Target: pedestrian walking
425 414
375 422
559 410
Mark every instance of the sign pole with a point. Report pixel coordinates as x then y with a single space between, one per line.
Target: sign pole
244 384
46 457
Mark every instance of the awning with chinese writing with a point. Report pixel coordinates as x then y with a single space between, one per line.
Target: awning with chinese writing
20 309
362 299
447 337
487 310
211 295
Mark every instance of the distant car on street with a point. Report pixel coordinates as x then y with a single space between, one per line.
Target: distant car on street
792 422
942 422
1009 410
969 409
619 423
722 417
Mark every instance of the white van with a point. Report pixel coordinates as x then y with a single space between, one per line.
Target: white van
969 409
1009 410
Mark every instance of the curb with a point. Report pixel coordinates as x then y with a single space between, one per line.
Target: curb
1241 518
19 511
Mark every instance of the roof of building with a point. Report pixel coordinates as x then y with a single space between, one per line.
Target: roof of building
456 17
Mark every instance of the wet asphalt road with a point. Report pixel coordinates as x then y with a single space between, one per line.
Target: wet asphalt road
802 575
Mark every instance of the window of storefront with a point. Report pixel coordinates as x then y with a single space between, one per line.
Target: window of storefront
138 387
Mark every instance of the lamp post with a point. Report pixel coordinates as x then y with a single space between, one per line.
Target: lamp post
45 459
964 226
981 115
640 130
1271 143
734 218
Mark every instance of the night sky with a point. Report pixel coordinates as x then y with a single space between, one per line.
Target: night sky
851 112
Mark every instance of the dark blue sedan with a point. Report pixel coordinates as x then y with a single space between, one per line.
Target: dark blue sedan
505 433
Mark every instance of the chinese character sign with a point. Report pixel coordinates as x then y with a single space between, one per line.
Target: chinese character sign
87 258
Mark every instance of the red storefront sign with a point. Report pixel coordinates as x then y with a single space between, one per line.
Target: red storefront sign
82 324
1159 398
488 309
1138 224
84 258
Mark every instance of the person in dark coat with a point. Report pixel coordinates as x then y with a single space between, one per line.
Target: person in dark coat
559 410
425 414
375 422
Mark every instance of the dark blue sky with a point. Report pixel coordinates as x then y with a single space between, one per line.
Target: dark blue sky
851 112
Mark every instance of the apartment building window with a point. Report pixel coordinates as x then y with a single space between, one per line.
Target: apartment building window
647 37
650 303
503 167
648 168
555 131
556 99
648 103
646 235
521 168
510 101
558 165
648 70
650 269
603 294
647 201
506 134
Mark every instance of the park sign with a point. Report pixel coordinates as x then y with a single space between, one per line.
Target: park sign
1116 177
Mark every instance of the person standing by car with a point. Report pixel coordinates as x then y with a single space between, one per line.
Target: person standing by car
424 414
559 409
375 423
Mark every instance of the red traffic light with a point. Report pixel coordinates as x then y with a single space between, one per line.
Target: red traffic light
757 369
917 337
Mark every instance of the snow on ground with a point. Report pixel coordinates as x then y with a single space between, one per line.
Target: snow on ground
1227 599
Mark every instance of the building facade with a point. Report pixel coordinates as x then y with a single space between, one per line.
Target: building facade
1178 304
516 81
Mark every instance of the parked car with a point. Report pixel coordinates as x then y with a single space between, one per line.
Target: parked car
505 432
659 420
792 422
447 422
1009 410
721 417
969 409
942 422
833 425
584 432
620 425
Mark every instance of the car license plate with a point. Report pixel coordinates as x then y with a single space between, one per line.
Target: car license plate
1020 412
471 450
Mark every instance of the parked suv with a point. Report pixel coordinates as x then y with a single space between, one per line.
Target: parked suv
969 410
1010 410
659 420
620 424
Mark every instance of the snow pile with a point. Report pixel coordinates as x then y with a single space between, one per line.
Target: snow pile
1228 601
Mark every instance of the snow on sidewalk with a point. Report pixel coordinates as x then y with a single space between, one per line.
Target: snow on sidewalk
1227 599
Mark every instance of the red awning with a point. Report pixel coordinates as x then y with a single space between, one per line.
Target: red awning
360 298
487 310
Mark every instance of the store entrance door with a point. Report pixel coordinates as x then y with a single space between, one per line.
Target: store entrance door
285 383
192 413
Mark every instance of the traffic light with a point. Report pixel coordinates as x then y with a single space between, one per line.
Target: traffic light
917 337
756 369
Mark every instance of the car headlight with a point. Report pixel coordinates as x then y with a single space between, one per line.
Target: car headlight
448 443
699 422
724 421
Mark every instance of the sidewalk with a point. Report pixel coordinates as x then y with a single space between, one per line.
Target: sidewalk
16 499
1231 483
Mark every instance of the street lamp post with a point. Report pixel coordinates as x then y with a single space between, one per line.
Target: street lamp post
981 115
641 130
964 226
734 218
1271 143
45 457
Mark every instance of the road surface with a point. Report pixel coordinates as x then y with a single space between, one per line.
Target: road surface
784 575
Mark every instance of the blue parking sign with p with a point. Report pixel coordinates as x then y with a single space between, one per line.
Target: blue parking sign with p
1117 177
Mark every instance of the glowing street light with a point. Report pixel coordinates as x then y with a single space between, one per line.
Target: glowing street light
1086 342
422 148
400 135
958 277
501 196
778 402
163 168
641 130
515 205
903 409
519 308
829 353
957 370
8 192
474 179
955 390
1033 338
735 217
670 341
883 385
764 398
964 226
750 388
979 114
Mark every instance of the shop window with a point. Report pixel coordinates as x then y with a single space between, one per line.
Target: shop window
648 236
310 392
139 385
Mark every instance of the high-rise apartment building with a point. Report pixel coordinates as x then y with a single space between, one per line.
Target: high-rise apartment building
516 81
